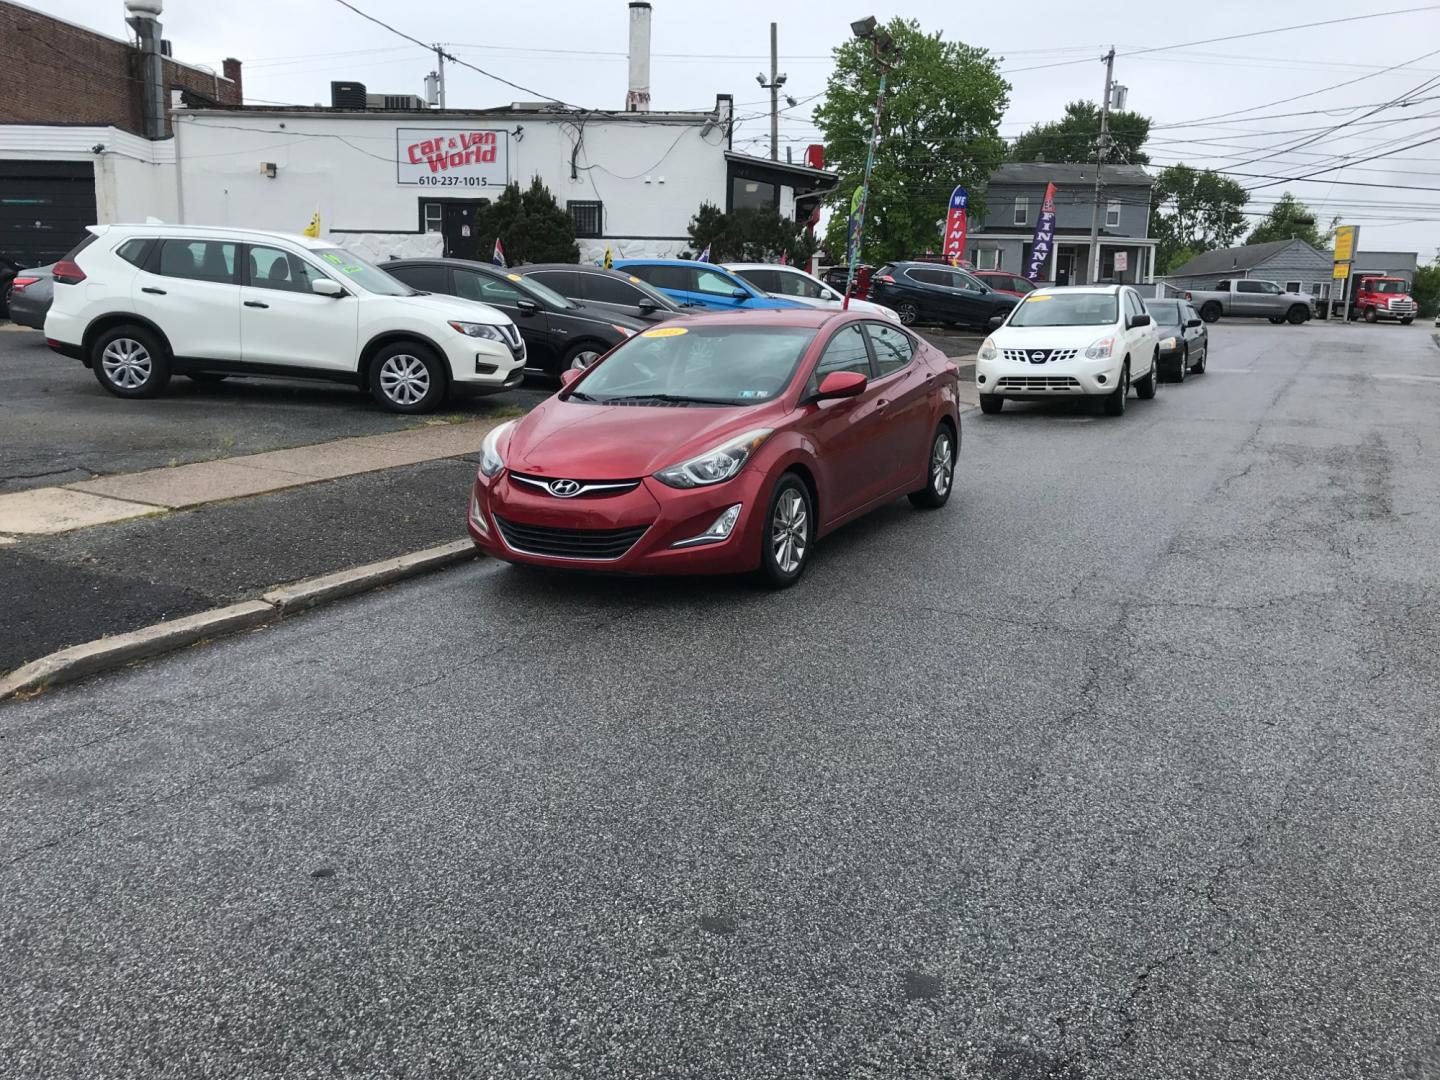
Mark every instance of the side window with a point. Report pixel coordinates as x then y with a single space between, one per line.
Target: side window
565 282
1270 288
491 290
271 268
793 284
712 284
1248 287
678 278
135 252
963 282
927 276
198 260
1222 286
432 279
1021 285
764 280
893 348
608 290
846 352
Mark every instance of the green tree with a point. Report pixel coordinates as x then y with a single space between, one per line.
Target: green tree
1290 219
938 128
749 235
1076 137
531 225
1426 289
1194 210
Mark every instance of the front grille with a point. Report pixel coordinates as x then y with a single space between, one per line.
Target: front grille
599 545
1038 356
1403 307
1038 382
586 487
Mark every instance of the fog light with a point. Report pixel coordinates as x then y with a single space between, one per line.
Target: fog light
980 379
477 516
720 530
1100 379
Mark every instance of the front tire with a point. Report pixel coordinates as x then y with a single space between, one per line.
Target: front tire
406 377
1210 312
1297 315
579 357
1199 368
1146 387
908 312
990 404
1184 368
131 362
788 535
1115 400
1371 315
940 475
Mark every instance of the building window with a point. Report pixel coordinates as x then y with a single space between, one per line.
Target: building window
433 217
987 259
589 218
1320 289
1294 286
753 195
1022 209
1112 214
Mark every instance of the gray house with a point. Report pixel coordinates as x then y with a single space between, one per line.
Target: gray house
1001 240
1292 264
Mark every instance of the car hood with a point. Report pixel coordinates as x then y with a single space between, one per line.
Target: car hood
1050 337
452 307
620 442
582 310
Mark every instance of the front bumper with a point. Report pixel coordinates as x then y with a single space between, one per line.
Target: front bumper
482 362
506 515
1066 378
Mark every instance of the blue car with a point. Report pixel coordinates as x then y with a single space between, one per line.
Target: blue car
701 285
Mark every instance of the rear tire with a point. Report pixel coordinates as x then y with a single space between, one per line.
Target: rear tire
1115 400
939 471
1146 387
908 312
788 534
407 377
990 404
131 362
1275 320
1297 315
1210 312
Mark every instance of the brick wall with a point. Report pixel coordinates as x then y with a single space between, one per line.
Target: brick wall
58 73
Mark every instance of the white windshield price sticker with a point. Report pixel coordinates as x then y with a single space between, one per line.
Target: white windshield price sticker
452 157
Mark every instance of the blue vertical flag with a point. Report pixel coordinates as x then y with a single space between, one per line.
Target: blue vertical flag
1044 241
704 256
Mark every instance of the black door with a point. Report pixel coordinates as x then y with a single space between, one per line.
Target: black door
44 208
458 228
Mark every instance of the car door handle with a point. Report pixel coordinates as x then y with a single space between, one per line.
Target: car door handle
255 303
154 292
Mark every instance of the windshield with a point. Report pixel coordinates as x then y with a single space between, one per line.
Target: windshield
368 277
1164 314
1065 309
1389 285
700 365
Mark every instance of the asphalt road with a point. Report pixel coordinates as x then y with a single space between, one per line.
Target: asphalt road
1121 766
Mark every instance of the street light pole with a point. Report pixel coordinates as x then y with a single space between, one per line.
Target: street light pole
777 80
1094 258
881 45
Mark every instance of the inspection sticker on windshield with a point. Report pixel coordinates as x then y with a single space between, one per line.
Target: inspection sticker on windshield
636 280
665 331
1033 299
513 277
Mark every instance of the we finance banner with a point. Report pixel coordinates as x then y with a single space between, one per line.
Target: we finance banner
957 224
1044 241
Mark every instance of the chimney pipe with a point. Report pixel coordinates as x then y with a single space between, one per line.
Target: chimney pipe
144 18
637 98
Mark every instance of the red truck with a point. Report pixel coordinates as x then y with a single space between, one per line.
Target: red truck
1376 296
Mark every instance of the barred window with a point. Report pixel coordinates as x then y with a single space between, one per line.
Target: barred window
589 218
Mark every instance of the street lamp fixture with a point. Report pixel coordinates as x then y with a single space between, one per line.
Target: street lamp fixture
882 45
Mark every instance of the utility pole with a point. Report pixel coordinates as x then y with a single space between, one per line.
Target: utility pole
440 72
777 80
1104 145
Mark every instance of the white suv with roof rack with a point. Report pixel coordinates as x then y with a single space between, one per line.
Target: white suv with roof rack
1070 342
138 303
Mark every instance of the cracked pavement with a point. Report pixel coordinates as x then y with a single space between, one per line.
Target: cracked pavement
1122 766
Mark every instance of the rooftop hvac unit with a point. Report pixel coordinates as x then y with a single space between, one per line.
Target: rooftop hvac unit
394 102
347 95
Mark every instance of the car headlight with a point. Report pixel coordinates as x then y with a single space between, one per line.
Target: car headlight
491 462
478 329
1100 349
988 351
1169 343
717 465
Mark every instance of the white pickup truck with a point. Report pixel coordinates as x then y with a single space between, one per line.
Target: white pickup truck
1246 298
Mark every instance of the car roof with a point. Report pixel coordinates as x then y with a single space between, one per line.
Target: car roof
473 264
666 262
762 266
808 318
208 231
1093 290
586 267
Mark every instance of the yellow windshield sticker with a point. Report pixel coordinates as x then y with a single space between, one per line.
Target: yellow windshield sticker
636 280
1033 299
513 277
665 331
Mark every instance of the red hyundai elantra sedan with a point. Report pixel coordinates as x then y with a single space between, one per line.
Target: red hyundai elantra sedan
722 444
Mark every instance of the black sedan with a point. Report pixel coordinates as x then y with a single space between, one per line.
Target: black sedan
559 333
928 292
613 290
1184 341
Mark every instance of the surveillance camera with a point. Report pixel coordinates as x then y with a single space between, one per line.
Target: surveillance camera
780 79
760 79
863 28
98 148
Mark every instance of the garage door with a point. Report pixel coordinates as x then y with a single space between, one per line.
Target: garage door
44 208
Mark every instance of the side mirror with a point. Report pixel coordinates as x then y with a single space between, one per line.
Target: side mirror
528 307
995 321
1190 324
647 307
326 287
1136 321
841 384
568 377
830 294
741 295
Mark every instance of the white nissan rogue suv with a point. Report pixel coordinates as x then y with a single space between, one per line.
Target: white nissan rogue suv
1069 341
137 303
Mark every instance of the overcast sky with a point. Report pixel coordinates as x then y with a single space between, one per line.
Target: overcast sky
574 50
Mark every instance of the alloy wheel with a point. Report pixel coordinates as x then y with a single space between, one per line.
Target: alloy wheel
404 379
908 313
127 363
942 464
790 532
582 360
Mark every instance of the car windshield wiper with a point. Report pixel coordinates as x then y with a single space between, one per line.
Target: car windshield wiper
666 399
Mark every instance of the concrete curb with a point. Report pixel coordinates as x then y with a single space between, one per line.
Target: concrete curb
108 653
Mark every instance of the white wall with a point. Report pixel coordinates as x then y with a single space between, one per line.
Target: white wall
651 177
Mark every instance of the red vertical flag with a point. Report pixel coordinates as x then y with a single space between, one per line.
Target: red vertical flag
957 224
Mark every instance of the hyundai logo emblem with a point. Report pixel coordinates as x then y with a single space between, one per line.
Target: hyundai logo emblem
564 489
